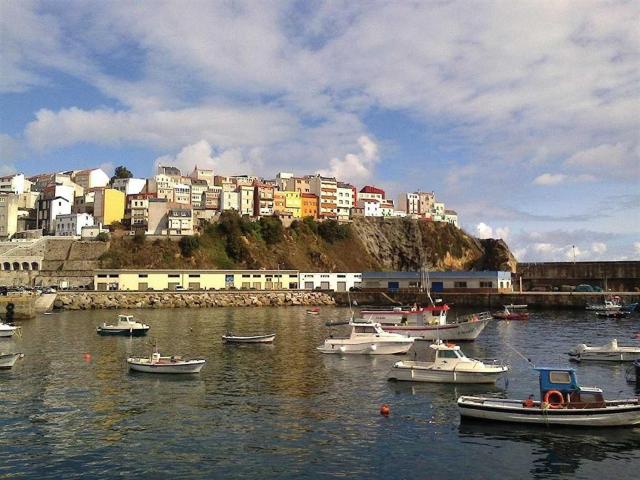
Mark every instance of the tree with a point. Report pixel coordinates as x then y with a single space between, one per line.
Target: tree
121 172
188 245
271 230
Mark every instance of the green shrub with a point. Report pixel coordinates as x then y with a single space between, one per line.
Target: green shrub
332 231
271 230
102 237
188 245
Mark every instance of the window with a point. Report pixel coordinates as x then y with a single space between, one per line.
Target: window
257 276
194 275
246 276
174 275
460 284
447 354
560 377
486 284
102 275
143 275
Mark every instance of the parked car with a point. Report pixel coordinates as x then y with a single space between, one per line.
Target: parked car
583 287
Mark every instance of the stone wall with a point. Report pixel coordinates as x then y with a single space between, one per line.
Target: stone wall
124 300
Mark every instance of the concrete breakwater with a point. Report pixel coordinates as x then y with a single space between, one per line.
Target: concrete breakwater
124 300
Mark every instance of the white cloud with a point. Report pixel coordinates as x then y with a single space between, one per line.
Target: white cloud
355 167
484 231
503 233
224 126
226 162
547 179
636 248
598 247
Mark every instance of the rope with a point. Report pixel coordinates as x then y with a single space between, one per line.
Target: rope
528 360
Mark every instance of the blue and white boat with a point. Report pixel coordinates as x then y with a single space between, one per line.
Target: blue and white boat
562 402
126 325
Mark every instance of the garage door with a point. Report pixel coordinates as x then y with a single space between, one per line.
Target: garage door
342 286
324 285
143 287
308 285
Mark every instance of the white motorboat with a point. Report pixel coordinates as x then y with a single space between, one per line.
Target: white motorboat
8 360
7 330
126 325
367 338
607 306
611 352
157 363
516 306
564 403
432 325
445 363
229 338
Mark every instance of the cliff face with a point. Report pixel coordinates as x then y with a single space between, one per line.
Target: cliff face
371 244
402 244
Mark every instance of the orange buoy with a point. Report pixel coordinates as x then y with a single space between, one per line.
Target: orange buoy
87 357
384 409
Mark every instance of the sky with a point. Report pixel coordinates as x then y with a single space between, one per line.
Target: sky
524 117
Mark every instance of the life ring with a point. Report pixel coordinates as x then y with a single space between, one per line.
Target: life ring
557 396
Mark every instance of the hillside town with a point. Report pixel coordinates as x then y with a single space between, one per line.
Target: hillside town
87 203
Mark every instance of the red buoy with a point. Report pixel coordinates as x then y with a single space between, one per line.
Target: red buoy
384 409
87 357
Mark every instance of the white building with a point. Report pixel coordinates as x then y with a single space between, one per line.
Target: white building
15 184
198 189
246 199
182 193
438 212
450 216
180 222
386 208
90 178
409 203
346 200
229 200
129 186
162 186
340 282
71 225
370 208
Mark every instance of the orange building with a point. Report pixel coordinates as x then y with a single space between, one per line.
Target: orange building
309 205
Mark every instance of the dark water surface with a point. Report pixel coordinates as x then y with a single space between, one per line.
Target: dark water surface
285 410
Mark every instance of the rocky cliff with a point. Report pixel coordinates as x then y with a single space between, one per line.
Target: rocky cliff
365 244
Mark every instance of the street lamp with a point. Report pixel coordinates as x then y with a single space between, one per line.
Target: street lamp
574 253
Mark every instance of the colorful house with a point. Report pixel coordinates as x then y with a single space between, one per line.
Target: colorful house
109 205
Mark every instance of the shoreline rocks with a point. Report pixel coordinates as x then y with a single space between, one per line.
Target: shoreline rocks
125 300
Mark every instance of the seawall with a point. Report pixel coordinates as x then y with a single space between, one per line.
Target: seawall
535 300
124 300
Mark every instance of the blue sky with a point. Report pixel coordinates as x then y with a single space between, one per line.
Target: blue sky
522 116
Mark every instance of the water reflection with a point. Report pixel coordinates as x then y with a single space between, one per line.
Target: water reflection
557 451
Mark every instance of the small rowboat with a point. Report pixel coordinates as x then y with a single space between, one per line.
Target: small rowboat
7 330
8 360
251 339
157 363
313 311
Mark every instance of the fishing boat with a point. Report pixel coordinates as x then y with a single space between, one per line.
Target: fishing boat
230 338
394 314
445 363
8 360
507 314
432 324
125 325
563 402
7 330
156 363
614 314
611 352
608 305
367 338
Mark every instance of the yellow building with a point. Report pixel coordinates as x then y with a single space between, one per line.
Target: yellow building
108 206
145 280
293 203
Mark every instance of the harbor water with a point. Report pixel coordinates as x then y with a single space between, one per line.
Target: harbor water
71 409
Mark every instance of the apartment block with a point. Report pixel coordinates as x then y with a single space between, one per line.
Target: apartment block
309 205
90 178
263 200
326 188
246 199
8 214
71 225
109 206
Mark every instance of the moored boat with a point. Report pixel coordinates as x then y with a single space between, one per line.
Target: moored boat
507 314
563 402
614 314
157 363
608 305
8 360
313 311
7 330
445 363
611 352
432 324
230 338
367 338
125 325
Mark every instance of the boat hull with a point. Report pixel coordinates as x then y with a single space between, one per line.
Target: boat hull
452 331
511 411
366 348
409 374
606 357
193 366
8 360
7 331
128 332
256 339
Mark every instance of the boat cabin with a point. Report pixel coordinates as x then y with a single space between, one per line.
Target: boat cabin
562 382
365 328
125 319
424 350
